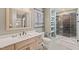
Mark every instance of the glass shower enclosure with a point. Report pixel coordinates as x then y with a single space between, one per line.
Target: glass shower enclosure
66 25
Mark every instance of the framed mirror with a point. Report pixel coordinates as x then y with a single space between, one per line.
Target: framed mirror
17 18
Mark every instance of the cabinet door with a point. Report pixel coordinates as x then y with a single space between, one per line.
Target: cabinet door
28 44
24 43
10 47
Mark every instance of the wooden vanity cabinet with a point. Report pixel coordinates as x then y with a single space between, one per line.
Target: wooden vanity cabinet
24 44
10 47
28 44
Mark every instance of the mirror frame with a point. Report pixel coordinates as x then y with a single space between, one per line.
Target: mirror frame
8 18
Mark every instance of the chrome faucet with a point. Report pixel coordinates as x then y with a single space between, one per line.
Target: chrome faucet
22 33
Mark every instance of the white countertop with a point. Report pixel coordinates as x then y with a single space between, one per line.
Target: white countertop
8 39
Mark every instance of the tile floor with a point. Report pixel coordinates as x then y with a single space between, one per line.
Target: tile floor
62 43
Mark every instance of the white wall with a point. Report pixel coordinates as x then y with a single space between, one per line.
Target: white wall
2 20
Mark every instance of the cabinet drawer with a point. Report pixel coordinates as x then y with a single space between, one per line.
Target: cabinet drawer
10 47
28 46
23 43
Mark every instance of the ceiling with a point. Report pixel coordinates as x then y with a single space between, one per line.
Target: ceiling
64 9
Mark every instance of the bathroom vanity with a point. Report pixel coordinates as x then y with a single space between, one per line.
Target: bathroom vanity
26 42
18 29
